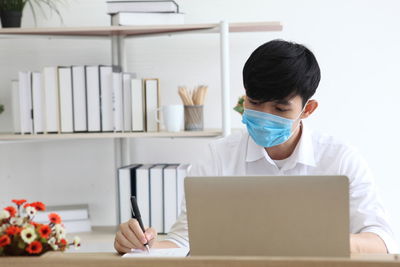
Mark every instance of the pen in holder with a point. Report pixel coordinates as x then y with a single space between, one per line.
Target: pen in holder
194 118
193 107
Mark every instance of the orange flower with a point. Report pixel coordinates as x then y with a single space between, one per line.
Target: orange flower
34 248
19 202
54 218
38 206
11 210
13 230
44 231
4 240
63 242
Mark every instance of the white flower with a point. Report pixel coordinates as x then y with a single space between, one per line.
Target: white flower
52 243
77 242
4 214
28 235
16 221
31 211
59 231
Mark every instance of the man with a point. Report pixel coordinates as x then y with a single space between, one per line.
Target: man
280 78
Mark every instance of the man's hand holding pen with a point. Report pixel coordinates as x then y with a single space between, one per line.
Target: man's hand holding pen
130 236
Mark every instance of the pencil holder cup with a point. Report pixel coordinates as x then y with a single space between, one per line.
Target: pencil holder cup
194 118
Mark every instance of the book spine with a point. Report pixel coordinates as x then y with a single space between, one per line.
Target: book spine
138 112
93 98
37 102
152 103
25 95
79 99
52 107
118 102
65 87
106 102
127 98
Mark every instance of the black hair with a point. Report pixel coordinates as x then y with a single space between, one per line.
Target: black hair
279 69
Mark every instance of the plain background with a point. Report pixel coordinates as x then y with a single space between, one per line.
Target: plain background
356 43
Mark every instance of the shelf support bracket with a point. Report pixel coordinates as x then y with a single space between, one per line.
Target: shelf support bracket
121 145
225 79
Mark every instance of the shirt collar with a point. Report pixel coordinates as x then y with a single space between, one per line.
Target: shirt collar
303 153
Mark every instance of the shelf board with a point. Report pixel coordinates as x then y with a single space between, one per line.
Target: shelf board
182 134
107 31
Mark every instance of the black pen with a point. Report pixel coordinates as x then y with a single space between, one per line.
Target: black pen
136 215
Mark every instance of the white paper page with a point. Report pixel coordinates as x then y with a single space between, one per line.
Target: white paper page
161 252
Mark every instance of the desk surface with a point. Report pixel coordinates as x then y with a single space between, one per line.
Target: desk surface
97 250
113 259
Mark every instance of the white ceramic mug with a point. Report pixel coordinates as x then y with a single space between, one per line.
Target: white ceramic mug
172 117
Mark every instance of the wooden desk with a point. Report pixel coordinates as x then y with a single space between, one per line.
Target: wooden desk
112 259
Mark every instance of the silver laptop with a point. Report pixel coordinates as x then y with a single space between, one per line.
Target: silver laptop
268 216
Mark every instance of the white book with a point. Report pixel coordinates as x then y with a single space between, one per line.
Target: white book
50 77
127 98
131 19
182 171
66 212
66 110
151 95
118 108
38 98
156 198
124 193
141 6
143 192
93 98
106 93
15 106
170 196
78 226
79 98
126 176
137 105
25 101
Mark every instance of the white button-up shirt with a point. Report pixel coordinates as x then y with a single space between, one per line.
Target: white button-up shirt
315 154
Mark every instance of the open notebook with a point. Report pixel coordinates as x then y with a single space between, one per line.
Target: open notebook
161 252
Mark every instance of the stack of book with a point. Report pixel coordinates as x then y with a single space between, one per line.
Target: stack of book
67 99
74 217
158 189
142 12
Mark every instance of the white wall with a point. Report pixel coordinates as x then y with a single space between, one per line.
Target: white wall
356 43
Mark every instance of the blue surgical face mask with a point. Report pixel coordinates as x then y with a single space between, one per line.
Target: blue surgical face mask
266 129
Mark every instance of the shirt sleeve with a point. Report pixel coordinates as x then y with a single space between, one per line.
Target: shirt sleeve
178 233
367 214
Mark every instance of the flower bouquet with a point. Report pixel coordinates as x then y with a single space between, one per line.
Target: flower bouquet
20 235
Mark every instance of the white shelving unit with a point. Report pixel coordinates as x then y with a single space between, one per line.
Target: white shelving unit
118 35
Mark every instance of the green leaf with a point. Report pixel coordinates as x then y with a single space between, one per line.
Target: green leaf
239 109
21 244
1 109
33 13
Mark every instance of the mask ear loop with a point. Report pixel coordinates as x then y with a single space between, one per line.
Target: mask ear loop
298 117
